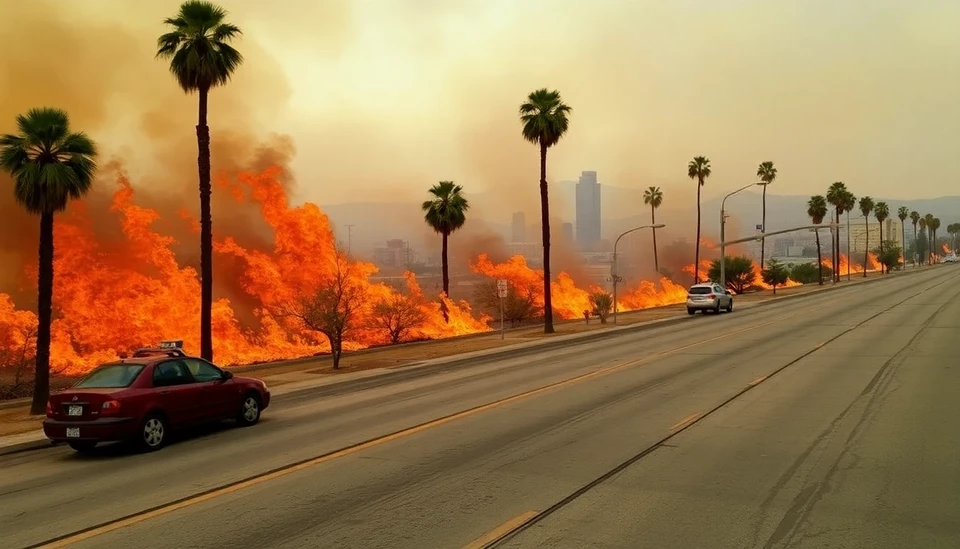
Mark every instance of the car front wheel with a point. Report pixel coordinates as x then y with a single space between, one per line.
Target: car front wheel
249 413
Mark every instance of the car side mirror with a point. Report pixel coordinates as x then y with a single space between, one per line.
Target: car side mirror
227 374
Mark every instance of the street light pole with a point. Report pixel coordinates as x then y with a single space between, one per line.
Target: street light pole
613 267
723 222
350 238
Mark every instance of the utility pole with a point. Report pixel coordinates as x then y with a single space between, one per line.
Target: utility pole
350 238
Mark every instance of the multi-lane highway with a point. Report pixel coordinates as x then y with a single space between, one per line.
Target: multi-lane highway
826 421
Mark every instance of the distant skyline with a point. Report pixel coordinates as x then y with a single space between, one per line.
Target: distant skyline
384 96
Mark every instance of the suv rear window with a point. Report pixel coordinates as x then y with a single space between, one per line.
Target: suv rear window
111 376
700 290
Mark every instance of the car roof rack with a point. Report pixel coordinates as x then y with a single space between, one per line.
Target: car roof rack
166 348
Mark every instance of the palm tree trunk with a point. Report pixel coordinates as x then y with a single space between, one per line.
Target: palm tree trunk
545 224
206 231
835 244
903 242
916 246
763 229
653 221
445 269
819 260
866 244
445 266
41 380
881 245
696 256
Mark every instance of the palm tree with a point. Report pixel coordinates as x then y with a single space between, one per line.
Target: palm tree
881 211
767 173
698 169
923 231
936 227
902 214
545 118
817 210
866 206
915 217
930 243
653 197
445 212
848 203
49 166
201 58
837 196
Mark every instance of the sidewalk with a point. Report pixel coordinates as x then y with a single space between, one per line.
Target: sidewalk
301 375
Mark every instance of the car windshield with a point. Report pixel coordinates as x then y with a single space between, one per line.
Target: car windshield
702 290
111 376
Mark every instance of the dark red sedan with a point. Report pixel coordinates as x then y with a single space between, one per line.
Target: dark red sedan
141 399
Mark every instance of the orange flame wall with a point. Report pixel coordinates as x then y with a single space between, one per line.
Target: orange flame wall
108 301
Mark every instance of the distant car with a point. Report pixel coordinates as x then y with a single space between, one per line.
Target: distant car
949 259
708 297
141 399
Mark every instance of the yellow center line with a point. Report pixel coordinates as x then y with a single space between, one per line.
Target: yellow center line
216 493
685 421
492 535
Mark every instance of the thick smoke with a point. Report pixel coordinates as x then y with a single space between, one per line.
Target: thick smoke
143 124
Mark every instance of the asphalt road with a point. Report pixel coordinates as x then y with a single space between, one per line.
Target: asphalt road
826 421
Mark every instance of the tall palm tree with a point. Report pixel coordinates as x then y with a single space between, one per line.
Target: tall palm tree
848 203
545 119
817 210
445 212
653 197
201 58
699 170
915 217
902 214
881 211
866 206
50 165
936 227
926 247
930 243
837 197
767 173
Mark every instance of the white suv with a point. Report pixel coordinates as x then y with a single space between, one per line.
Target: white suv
708 296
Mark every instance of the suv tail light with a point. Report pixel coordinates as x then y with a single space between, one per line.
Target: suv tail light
110 407
49 409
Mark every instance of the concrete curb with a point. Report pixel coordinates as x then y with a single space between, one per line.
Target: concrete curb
27 444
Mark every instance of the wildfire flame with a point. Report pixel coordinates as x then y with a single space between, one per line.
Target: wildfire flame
110 300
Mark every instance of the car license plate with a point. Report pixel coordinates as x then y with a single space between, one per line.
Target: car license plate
73 432
75 411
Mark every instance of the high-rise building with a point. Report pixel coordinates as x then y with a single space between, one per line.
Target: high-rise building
588 210
567 232
519 227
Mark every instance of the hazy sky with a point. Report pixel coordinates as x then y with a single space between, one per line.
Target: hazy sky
393 95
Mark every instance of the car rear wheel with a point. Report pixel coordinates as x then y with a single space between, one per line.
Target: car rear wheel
153 433
83 445
249 413
690 311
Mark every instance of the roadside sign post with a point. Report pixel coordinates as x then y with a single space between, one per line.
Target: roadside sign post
501 293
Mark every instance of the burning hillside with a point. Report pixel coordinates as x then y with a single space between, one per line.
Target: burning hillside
110 298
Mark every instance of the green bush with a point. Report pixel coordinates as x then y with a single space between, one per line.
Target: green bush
739 272
805 273
775 274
